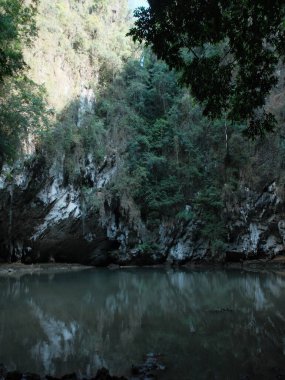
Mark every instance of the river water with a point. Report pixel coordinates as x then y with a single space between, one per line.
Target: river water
206 324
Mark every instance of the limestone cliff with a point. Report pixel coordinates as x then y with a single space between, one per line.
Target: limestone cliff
44 219
57 203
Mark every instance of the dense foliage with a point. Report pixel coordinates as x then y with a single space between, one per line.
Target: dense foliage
175 159
23 110
91 47
226 51
17 28
176 163
23 116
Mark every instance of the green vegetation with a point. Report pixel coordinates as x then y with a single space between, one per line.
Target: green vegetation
17 28
178 164
173 155
85 46
226 51
23 111
175 162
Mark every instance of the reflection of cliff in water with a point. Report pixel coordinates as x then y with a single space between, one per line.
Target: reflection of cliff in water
231 320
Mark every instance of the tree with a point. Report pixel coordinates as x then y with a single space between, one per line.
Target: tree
227 51
23 112
23 109
17 28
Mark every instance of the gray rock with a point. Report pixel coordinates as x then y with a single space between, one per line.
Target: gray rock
45 219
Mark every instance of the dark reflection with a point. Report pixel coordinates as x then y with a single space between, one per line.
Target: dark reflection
207 324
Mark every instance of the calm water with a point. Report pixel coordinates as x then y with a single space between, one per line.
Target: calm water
208 324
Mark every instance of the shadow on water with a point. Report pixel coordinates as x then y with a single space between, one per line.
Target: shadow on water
206 323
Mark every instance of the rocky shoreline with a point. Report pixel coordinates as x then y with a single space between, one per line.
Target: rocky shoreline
20 268
43 219
10 269
145 371
102 374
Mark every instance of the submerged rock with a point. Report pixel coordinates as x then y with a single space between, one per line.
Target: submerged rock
102 374
3 372
16 375
148 369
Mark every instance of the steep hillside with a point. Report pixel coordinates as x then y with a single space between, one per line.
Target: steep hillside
127 170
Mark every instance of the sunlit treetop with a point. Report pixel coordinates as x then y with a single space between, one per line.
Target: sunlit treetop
226 51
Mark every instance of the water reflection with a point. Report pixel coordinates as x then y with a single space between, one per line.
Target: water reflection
60 339
207 324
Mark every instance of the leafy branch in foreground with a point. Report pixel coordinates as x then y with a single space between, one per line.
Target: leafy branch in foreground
226 51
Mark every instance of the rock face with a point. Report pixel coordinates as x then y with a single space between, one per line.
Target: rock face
256 226
45 219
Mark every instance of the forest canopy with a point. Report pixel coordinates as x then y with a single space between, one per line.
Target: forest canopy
17 28
226 51
22 104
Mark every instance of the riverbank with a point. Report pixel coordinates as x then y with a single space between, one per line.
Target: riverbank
20 268
275 263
